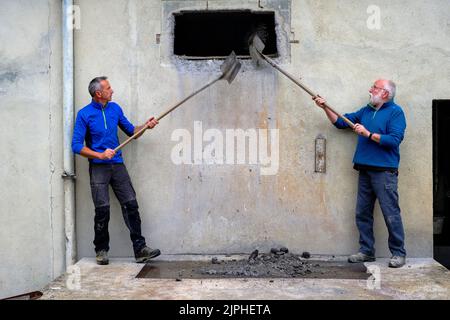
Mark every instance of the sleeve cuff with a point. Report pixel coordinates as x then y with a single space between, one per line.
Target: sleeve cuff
387 141
77 149
340 124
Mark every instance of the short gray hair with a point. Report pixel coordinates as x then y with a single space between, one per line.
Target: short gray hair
390 87
95 85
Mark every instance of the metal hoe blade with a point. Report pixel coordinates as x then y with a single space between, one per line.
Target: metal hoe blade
258 44
230 68
255 48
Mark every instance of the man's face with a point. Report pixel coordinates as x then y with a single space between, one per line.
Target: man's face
377 93
106 92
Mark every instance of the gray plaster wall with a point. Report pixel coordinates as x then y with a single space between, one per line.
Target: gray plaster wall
230 208
31 206
205 208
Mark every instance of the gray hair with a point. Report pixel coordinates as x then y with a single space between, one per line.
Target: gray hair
95 85
390 87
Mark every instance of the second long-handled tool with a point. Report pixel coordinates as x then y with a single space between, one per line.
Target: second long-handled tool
230 68
256 47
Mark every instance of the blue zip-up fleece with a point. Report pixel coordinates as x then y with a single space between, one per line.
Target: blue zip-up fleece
97 125
389 121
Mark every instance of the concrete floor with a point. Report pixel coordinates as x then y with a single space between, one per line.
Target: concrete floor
418 279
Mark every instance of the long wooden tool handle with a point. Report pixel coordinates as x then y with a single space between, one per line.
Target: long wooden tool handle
309 91
123 144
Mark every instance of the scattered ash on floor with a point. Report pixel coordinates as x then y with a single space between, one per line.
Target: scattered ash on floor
277 263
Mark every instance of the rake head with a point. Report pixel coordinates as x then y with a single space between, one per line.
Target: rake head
230 68
256 47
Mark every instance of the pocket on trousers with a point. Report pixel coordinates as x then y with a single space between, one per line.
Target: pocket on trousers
132 188
394 220
100 194
390 186
390 180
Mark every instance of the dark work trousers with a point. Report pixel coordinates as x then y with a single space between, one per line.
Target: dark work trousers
116 175
381 185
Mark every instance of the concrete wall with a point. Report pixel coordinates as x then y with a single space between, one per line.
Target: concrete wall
230 208
213 208
31 206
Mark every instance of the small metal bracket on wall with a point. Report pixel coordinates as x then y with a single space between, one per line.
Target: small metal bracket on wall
70 176
293 40
320 154
158 38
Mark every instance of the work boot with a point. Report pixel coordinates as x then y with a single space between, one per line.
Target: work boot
102 257
360 257
146 254
397 262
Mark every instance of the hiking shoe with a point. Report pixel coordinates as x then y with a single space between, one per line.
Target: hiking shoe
360 257
102 257
397 262
146 254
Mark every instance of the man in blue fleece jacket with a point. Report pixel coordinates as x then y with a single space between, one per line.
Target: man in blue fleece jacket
380 127
97 124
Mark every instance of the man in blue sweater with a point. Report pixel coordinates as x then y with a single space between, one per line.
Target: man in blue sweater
380 127
97 124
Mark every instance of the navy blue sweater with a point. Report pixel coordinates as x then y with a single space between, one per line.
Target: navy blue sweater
97 125
389 121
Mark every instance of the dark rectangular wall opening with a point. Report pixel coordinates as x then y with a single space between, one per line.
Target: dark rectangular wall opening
214 34
441 181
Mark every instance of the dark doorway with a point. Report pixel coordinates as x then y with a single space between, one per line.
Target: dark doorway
214 34
441 181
